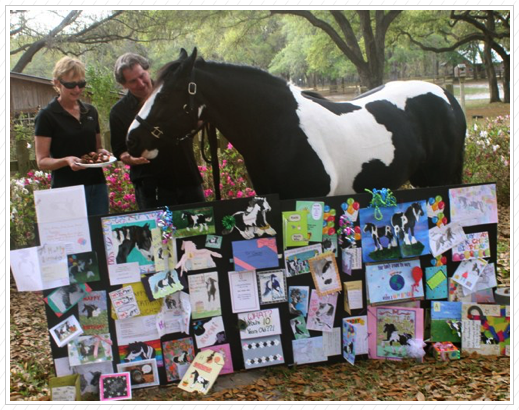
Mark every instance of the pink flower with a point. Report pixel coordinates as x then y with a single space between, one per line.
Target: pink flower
230 194
239 194
229 146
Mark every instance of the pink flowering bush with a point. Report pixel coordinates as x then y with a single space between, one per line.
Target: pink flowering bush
234 182
23 212
487 155
120 189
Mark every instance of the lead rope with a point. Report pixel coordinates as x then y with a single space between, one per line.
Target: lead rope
213 149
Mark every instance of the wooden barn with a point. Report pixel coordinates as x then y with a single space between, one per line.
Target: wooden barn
29 93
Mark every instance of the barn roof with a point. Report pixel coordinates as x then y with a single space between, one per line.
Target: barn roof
33 78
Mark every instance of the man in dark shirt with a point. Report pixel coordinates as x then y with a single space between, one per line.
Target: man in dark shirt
173 177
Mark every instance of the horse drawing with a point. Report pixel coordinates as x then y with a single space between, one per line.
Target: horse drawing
211 289
405 222
253 221
91 310
198 379
139 351
168 281
299 144
128 237
392 335
196 221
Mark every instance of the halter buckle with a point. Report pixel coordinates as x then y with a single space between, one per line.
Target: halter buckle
191 88
156 132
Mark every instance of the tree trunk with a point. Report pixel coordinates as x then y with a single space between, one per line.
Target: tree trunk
506 79
491 74
27 57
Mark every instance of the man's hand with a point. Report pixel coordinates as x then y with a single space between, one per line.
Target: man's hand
127 159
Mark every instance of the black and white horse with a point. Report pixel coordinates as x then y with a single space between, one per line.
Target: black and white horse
392 335
128 237
405 222
202 381
82 264
210 285
253 221
167 281
91 310
139 351
378 232
196 221
302 145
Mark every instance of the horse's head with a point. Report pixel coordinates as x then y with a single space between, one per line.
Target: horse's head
169 113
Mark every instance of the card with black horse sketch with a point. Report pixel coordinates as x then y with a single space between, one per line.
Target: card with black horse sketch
202 372
93 313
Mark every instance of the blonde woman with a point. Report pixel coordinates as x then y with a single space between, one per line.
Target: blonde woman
67 129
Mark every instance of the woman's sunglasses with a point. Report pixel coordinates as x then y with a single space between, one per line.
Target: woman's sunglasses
72 85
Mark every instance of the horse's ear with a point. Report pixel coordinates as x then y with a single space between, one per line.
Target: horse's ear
188 64
183 54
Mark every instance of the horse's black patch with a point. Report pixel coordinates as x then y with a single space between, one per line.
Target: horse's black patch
336 108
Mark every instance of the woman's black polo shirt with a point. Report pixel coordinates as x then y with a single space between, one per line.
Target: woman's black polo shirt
70 137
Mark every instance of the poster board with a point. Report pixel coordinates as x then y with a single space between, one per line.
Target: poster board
225 264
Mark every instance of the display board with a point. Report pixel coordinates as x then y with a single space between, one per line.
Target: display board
261 287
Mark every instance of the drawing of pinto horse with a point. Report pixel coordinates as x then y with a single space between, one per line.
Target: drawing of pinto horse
298 144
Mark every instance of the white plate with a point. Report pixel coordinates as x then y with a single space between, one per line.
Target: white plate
98 165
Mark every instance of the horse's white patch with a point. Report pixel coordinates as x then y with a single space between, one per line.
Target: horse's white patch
346 142
146 108
150 154
398 92
343 142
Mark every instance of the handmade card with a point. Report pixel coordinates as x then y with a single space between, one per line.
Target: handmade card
147 305
392 281
83 267
255 254
390 329
176 314
468 272
329 243
351 259
115 386
314 218
209 332
361 333
272 286
202 373
332 343
143 373
244 291
296 260
474 205
252 222
446 322
65 298
298 326
178 355
401 232
136 329
214 241
295 228
477 245
89 376
66 331
298 299
128 245
349 338
90 349
124 303
137 351
309 350
62 217
195 259
193 222
225 351
262 351
443 238
321 311
457 294
353 295
260 323
436 282
39 268
65 388
93 313
325 273
164 283
486 329
486 280
204 294
164 255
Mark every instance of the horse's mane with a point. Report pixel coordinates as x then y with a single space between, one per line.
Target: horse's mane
226 67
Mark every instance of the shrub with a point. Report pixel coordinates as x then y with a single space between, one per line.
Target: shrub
23 212
120 189
234 182
487 155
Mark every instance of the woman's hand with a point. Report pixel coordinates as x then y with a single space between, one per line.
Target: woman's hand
72 163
